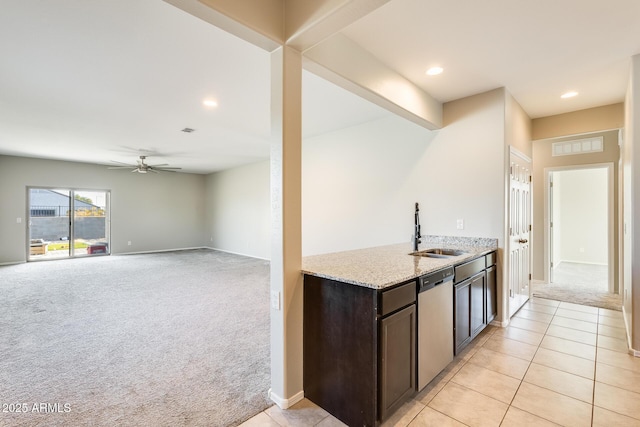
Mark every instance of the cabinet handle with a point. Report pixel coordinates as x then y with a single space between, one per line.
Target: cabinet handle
522 241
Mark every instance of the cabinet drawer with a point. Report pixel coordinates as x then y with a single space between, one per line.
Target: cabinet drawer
398 297
468 269
491 259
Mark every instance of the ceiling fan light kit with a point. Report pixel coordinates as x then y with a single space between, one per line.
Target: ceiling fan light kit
143 167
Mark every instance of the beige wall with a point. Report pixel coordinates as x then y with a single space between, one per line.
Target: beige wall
238 210
596 119
517 126
542 159
360 185
154 212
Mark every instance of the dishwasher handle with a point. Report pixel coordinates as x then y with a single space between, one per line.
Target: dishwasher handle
432 280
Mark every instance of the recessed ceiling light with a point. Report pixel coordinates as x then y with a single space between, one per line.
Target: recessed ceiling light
569 94
434 71
210 103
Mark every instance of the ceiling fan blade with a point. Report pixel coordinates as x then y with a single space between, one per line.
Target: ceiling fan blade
142 167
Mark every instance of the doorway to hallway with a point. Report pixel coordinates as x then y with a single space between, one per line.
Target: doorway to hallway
579 227
580 236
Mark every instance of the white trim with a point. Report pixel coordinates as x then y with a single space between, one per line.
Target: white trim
159 251
609 166
631 350
286 403
13 262
236 253
572 135
513 150
500 324
579 262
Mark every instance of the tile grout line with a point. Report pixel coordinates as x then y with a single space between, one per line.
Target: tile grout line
465 362
525 374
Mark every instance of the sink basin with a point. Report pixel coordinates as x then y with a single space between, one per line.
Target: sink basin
439 253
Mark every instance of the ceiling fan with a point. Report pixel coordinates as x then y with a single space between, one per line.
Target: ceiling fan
143 167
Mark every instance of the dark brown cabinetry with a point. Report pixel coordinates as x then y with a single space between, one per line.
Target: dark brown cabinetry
462 314
478 292
397 359
359 348
492 288
475 299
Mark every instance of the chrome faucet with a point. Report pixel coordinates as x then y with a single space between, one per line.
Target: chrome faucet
416 234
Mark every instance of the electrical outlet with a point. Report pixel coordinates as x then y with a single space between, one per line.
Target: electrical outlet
19 220
460 224
275 300
129 243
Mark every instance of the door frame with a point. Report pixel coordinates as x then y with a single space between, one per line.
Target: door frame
72 192
613 287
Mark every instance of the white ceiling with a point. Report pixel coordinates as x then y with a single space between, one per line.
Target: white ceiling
537 49
107 80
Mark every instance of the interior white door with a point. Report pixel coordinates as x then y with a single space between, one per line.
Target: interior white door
519 230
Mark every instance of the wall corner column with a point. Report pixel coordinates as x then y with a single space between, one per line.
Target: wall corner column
286 221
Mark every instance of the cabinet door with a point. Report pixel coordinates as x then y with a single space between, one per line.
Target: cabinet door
462 314
492 294
478 318
397 359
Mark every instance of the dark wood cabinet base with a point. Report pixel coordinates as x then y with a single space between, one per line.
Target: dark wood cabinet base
359 349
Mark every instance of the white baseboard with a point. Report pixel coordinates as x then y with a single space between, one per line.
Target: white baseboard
579 262
157 251
501 324
286 403
236 253
632 351
13 263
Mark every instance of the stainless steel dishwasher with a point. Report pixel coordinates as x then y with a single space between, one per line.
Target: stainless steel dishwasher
435 324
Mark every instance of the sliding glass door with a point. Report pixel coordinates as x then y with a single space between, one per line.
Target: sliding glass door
67 223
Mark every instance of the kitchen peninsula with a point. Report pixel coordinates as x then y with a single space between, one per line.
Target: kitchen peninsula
360 321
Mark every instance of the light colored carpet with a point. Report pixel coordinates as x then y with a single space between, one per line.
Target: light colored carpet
169 339
580 284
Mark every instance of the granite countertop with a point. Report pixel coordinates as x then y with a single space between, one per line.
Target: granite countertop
384 266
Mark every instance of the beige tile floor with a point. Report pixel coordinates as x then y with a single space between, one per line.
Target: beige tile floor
555 364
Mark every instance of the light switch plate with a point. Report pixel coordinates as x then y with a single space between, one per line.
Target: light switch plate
275 300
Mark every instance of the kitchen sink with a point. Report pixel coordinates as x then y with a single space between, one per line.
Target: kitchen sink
439 253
